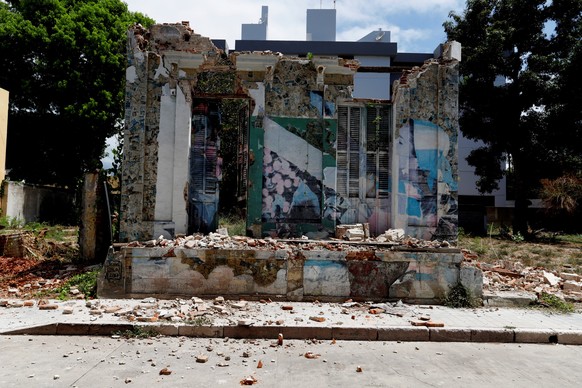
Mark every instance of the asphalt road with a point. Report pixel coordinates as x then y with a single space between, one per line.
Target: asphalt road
63 361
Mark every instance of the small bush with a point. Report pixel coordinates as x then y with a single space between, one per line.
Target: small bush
562 194
459 296
554 303
86 283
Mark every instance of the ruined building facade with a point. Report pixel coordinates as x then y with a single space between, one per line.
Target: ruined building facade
311 157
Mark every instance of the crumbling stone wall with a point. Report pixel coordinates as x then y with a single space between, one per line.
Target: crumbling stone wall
164 65
169 67
425 161
292 143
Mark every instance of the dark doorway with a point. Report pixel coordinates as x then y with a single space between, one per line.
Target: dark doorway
218 162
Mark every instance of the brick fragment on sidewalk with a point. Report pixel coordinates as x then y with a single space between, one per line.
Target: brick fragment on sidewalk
48 306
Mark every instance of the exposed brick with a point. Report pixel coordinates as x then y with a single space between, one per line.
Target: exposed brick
48 307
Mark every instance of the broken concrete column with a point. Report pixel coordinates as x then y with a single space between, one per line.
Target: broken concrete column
425 161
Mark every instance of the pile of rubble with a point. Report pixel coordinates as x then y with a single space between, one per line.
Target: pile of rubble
350 238
506 275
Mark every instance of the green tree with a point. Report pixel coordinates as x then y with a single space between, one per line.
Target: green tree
63 62
531 119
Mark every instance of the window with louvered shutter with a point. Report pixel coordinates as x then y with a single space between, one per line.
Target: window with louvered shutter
242 153
354 152
342 152
348 151
378 121
203 155
368 144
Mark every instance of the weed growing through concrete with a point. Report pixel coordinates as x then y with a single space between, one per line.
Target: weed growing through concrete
199 321
138 332
459 296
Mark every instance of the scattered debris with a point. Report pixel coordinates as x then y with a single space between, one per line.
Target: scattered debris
312 355
249 380
202 359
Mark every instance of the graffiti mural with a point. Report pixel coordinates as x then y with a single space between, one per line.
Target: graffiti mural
289 194
428 182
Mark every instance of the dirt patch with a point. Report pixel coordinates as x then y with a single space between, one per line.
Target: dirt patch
43 266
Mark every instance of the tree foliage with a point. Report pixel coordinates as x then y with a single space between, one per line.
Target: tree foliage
64 65
520 90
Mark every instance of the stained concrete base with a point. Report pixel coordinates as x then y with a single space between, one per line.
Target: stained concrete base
412 275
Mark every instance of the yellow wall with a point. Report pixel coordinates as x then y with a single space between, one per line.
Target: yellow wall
3 131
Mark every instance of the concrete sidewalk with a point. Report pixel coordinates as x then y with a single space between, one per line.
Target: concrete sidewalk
294 320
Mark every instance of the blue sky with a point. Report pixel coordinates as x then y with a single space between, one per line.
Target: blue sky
416 25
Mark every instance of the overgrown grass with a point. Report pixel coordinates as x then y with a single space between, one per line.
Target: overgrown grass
11 223
39 229
51 232
570 238
560 252
235 225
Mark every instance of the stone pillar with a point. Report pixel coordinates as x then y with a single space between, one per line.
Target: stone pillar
89 213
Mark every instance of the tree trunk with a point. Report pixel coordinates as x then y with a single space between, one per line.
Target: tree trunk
520 214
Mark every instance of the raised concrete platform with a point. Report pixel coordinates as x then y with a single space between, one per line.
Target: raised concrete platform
296 274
